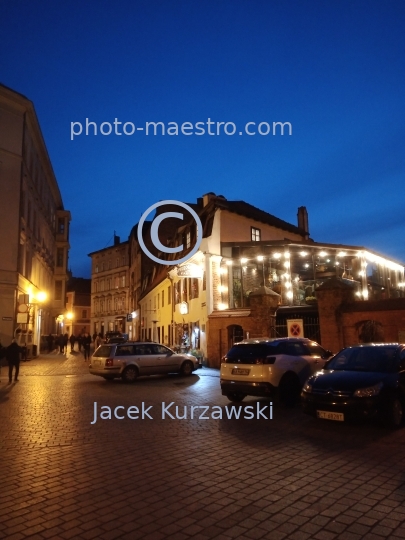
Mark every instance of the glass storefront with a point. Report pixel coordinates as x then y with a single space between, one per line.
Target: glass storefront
295 270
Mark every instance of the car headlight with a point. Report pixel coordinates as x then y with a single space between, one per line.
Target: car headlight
370 391
307 387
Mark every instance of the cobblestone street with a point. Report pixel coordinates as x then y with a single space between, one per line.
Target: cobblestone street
160 478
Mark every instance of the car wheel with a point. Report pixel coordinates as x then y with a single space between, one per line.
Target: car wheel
289 389
130 374
395 414
236 396
186 369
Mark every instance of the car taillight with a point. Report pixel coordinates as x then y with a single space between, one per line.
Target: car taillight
223 360
109 362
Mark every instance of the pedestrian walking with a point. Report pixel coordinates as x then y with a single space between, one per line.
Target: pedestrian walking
59 342
2 354
98 341
49 340
80 341
72 340
65 342
86 342
13 352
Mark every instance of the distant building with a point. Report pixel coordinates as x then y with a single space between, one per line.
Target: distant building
110 288
78 307
34 227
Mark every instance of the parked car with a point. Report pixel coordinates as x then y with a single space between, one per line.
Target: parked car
131 360
360 381
115 337
259 367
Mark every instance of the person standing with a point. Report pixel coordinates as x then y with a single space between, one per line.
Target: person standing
72 340
86 342
13 358
60 342
98 341
49 339
65 343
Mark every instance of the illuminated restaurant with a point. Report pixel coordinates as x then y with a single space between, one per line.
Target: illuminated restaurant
295 269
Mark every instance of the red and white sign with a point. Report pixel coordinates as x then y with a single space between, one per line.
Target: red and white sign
295 328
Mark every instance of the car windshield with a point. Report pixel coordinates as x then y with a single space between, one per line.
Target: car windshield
372 359
103 351
251 350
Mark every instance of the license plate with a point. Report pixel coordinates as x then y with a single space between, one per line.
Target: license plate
238 371
327 415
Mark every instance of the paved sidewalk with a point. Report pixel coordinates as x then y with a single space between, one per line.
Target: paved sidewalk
64 476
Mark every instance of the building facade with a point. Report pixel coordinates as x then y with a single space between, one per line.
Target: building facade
76 320
34 228
177 301
110 289
251 263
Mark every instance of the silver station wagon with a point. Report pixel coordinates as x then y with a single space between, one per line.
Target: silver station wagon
131 360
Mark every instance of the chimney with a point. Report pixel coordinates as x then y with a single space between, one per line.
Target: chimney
207 197
303 221
116 239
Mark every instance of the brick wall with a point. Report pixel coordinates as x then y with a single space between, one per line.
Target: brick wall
340 315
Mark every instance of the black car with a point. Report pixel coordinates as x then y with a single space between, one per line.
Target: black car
360 381
115 337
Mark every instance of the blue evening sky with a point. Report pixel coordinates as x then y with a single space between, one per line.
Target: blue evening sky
334 69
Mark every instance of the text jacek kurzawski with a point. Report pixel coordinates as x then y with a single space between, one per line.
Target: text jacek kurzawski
171 411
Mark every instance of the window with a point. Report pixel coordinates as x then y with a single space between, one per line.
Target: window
96 269
95 286
122 281
84 314
184 290
163 298
61 225
117 282
193 288
58 290
102 285
59 257
169 295
255 234
188 239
